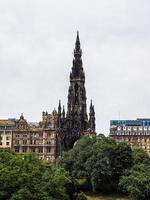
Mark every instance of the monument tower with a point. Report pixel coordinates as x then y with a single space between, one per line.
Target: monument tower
74 123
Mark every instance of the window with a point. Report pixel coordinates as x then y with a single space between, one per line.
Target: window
48 149
33 149
48 142
7 138
7 143
17 142
24 135
124 128
119 128
24 149
40 149
17 135
24 141
17 149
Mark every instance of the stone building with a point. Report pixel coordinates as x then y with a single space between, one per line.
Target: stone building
6 132
40 139
134 132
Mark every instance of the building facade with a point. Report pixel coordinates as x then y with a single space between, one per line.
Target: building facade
40 138
6 127
134 132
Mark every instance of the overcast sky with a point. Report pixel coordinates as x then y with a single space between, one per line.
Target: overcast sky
36 43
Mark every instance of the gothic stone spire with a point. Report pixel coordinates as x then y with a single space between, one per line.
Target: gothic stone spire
73 124
92 117
59 115
77 94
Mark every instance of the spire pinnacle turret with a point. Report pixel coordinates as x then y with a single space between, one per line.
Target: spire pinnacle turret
92 117
77 50
91 104
63 112
59 108
77 39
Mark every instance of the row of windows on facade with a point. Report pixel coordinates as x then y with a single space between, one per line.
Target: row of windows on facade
129 123
139 140
4 128
7 143
34 142
135 128
28 134
35 150
5 132
132 133
35 135
145 145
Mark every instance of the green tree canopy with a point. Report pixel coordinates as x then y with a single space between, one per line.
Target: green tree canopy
136 182
140 157
99 160
27 177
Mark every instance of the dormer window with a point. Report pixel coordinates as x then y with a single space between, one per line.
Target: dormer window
119 128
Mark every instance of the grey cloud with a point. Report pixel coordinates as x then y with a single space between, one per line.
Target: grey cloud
36 44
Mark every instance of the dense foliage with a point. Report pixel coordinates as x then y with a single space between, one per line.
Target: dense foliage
136 181
27 177
98 162
104 165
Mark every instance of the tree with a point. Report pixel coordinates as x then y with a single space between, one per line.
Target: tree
22 194
140 157
98 160
27 177
136 182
